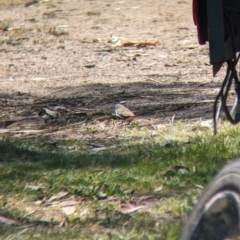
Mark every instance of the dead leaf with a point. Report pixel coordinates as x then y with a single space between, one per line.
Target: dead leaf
146 43
158 189
98 149
7 221
199 186
131 209
89 65
14 28
68 203
57 196
129 43
207 123
68 210
84 213
38 202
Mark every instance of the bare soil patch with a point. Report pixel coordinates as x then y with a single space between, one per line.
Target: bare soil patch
86 55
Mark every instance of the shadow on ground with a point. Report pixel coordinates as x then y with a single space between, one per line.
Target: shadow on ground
157 102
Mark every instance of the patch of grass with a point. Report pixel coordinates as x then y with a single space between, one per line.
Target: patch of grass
126 172
57 31
14 35
12 3
5 24
93 13
13 41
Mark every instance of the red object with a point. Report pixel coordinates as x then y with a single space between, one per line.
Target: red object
194 10
197 22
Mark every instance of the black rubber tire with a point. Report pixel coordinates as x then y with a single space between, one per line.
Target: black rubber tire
217 212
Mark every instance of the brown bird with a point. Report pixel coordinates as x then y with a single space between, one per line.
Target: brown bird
123 112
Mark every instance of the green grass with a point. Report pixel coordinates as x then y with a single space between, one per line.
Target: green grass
140 166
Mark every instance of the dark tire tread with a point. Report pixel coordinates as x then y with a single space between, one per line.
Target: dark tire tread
216 214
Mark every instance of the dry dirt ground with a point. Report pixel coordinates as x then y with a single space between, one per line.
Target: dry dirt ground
78 57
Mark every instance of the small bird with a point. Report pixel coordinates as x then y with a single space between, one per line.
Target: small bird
123 112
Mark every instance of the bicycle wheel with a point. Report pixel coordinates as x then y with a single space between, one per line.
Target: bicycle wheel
216 216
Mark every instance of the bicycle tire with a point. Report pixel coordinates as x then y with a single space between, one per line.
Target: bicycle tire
216 216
